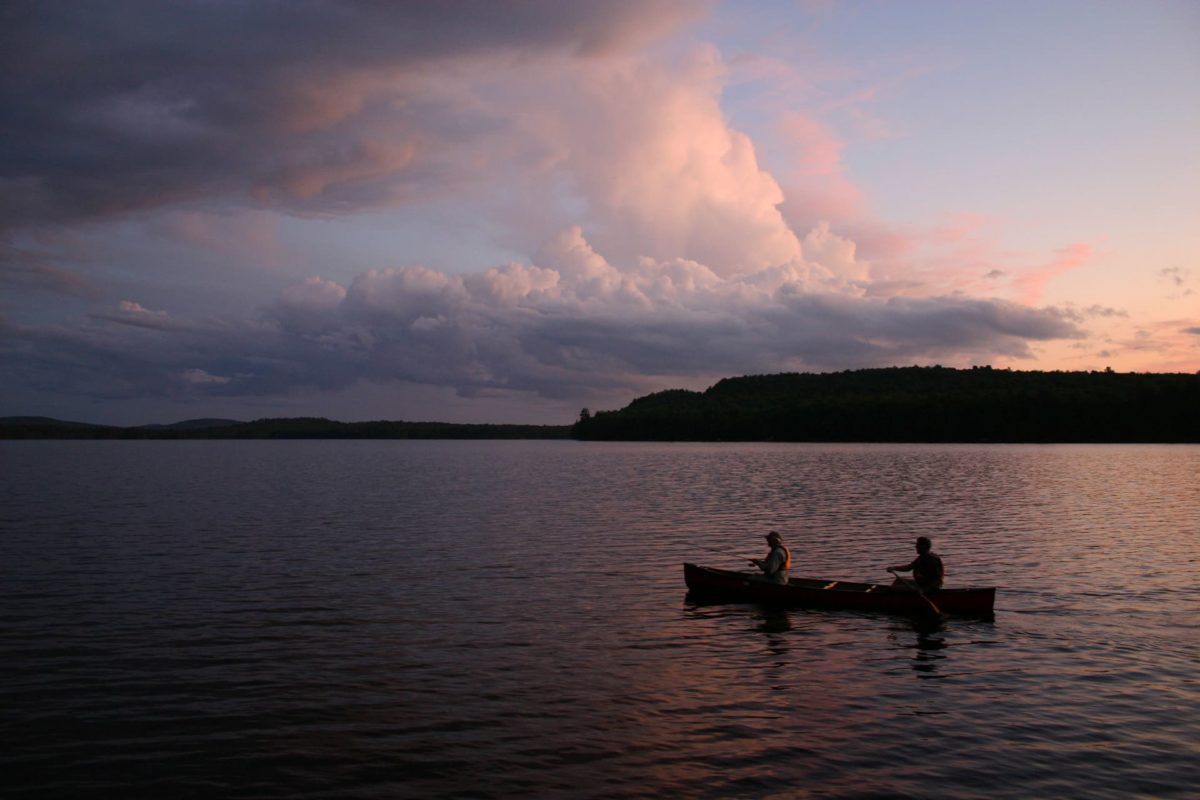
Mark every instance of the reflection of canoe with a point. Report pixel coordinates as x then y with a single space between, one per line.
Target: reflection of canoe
722 584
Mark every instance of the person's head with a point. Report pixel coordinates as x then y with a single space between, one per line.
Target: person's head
773 538
923 544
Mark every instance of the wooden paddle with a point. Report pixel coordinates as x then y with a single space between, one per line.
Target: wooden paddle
917 586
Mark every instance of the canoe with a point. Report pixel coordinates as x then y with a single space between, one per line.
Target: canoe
706 583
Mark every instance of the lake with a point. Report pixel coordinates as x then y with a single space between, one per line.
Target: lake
486 619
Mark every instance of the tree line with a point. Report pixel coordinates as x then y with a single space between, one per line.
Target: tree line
915 404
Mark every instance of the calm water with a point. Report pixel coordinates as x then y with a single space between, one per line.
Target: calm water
508 619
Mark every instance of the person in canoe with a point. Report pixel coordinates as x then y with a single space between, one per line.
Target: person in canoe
778 561
927 569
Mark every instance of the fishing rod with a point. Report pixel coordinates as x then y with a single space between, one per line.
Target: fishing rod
727 553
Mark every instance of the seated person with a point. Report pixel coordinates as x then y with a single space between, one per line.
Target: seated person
778 561
927 569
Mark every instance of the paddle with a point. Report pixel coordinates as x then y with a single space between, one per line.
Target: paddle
917 586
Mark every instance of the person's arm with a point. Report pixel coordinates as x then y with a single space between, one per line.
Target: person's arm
903 567
772 563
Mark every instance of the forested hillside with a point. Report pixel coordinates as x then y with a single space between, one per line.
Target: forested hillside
916 404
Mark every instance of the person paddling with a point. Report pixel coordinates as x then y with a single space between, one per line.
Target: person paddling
927 569
778 561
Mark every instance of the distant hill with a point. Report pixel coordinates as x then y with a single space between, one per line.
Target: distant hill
916 404
46 422
284 428
48 428
191 425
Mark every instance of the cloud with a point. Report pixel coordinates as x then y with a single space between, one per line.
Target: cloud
527 109
131 313
1175 275
960 255
1195 331
1178 278
816 184
1031 284
26 269
124 106
1104 311
570 325
245 235
663 251
200 377
646 153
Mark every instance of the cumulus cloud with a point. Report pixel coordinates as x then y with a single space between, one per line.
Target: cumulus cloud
650 160
816 184
727 206
569 325
662 249
110 108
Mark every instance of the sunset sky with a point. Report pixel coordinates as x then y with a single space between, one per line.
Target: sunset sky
503 212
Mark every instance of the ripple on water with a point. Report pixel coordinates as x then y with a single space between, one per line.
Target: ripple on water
498 619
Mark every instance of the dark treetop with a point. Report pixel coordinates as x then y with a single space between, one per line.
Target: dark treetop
916 404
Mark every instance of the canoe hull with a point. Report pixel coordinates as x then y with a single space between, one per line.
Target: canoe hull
719 584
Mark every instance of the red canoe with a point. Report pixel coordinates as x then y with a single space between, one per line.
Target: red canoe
723 584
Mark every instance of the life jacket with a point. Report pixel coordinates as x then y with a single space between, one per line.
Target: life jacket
787 558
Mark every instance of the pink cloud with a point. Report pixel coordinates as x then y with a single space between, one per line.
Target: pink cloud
314 295
27 268
651 160
956 256
134 315
249 233
964 254
662 243
1029 286
819 150
816 184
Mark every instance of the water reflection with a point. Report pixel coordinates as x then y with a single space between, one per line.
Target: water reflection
929 645
930 640
774 620
766 619
235 637
927 639
775 623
